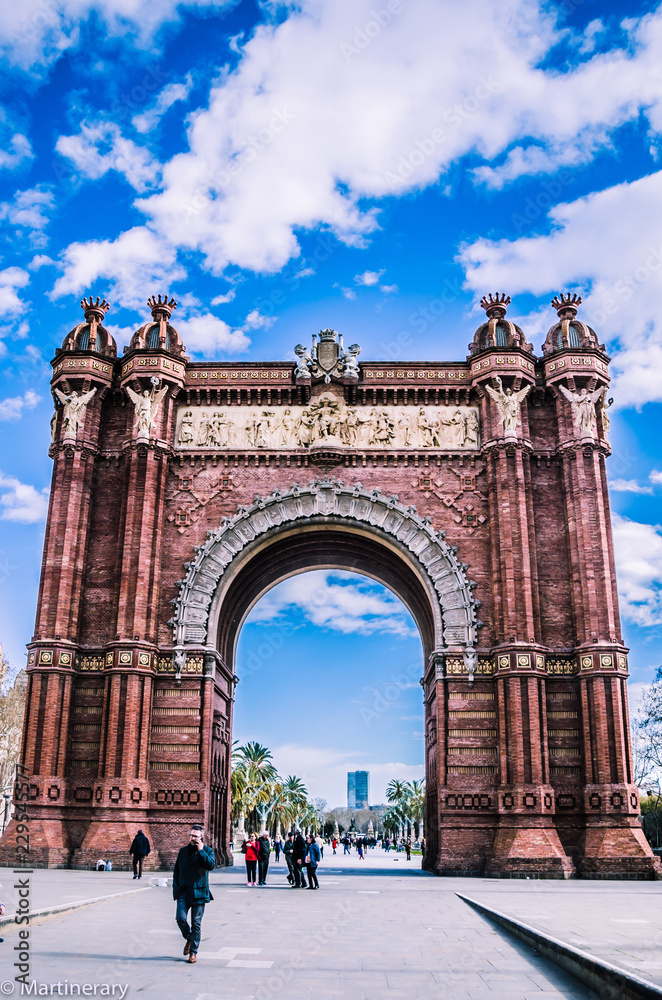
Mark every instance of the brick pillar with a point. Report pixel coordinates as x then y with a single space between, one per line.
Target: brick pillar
613 842
53 649
526 840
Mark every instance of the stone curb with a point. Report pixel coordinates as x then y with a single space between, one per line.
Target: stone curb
39 916
608 981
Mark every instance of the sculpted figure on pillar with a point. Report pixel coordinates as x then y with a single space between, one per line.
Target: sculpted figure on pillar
583 410
74 404
146 405
508 404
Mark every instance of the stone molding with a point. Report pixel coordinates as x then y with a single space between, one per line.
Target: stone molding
434 557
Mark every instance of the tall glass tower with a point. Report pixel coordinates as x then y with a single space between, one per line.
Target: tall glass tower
357 789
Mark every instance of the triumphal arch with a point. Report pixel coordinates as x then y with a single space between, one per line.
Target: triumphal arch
476 490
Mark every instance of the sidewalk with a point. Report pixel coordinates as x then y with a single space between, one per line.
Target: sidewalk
375 929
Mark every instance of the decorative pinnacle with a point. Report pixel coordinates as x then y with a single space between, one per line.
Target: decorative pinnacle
566 305
94 310
495 305
161 305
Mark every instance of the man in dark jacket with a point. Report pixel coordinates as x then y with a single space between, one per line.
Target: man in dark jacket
287 851
298 854
263 863
190 888
139 849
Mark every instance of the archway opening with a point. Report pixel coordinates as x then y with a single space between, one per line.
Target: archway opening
329 663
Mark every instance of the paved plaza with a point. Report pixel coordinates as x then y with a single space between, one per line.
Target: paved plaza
377 929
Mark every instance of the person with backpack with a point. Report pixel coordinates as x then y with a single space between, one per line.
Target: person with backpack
139 850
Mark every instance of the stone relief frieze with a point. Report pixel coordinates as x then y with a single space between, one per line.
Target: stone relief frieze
327 421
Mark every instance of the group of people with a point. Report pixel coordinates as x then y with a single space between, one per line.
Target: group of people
299 854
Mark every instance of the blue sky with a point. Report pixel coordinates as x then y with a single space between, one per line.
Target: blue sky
284 167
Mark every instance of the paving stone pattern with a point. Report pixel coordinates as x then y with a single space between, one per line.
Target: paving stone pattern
381 929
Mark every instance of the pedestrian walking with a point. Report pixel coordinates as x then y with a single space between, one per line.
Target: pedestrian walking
264 850
345 845
2 913
334 844
287 851
298 854
320 843
251 849
359 848
423 846
408 848
190 888
387 845
312 859
139 850
278 846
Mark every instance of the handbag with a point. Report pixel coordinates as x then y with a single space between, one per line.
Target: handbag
307 859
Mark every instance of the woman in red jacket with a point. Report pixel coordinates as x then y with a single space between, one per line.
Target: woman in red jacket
251 849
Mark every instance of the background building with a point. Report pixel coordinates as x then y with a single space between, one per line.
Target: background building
357 789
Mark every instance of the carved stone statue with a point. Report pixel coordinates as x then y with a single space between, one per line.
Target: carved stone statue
349 359
583 410
146 405
604 406
218 432
508 404
74 409
186 429
302 369
471 429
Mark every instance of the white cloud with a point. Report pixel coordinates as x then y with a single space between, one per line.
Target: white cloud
34 33
628 486
324 771
207 334
101 147
342 602
27 210
655 476
368 278
607 245
256 321
388 289
221 300
16 151
135 264
12 408
11 279
41 260
21 502
301 131
638 549
170 94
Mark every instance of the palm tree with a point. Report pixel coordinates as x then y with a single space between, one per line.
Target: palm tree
255 780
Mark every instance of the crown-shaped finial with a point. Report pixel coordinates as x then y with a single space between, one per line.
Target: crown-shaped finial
160 304
495 305
566 305
94 310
